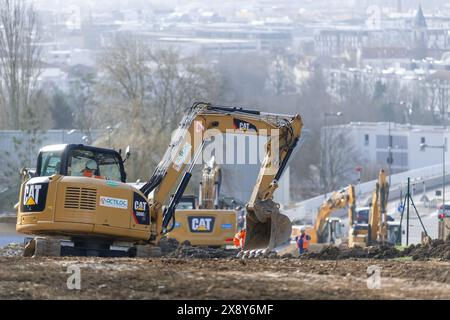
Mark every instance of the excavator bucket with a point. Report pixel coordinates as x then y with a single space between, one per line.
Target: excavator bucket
266 227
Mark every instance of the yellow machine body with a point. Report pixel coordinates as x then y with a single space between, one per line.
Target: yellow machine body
205 227
77 206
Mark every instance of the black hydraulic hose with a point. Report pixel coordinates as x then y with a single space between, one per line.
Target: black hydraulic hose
285 160
169 212
234 109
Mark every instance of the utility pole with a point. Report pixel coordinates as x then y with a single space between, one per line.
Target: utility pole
390 158
409 199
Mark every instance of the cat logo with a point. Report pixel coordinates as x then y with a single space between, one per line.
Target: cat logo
201 224
140 206
244 125
31 195
141 213
34 197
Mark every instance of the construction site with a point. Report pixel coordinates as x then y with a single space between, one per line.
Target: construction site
82 240
198 150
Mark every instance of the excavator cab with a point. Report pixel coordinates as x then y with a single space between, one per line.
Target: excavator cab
333 231
80 160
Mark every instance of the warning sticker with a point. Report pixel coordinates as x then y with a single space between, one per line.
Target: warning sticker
181 157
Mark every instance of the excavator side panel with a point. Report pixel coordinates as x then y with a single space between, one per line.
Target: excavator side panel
204 227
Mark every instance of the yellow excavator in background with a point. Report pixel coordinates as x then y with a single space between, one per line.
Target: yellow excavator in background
377 230
326 229
80 192
206 223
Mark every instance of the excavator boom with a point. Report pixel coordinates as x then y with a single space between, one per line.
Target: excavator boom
266 226
338 200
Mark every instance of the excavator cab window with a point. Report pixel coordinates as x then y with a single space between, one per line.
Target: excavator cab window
51 162
73 160
187 203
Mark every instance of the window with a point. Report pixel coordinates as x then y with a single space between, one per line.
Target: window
185 206
106 165
397 142
50 164
366 139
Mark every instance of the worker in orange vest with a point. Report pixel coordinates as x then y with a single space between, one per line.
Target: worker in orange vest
90 169
239 239
302 241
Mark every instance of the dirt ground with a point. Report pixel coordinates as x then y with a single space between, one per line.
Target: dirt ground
191 278
418 272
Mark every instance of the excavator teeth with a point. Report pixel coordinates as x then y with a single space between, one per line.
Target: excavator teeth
256 253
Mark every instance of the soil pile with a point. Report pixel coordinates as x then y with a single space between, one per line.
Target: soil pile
334 253
12 250
168 245
437 249
186 251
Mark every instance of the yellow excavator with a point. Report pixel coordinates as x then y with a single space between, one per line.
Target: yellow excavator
206 223
328 230
377 229
80 192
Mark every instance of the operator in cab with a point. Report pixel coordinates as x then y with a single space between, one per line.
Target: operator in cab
90 169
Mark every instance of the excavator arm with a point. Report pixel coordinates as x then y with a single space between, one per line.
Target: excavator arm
337 200
266 227
210 185
378 210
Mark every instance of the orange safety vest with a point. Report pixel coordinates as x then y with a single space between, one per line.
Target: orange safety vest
239 239
89 174
305 241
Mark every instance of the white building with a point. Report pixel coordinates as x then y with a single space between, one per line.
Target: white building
371 139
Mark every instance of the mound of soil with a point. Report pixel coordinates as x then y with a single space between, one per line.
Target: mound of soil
437 249
168 245
12 250
186 251
335 253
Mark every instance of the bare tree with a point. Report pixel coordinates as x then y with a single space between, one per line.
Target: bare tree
19 59
281 76
438 85
341 158
82 81
144 92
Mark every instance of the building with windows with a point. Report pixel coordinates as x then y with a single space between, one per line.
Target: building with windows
374 140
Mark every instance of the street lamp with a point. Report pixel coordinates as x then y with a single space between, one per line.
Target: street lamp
326 115
390 158
423 146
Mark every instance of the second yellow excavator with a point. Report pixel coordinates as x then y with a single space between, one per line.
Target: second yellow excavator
376 228
326 229
205 222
